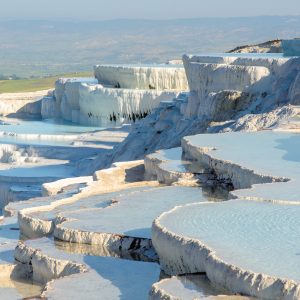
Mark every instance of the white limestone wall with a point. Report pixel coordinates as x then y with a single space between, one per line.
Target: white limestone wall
67 95
48 108
128 77
21 103
205 79
97 104
267 81
274 64
81 100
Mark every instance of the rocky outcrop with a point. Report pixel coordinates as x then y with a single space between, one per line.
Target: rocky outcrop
274 46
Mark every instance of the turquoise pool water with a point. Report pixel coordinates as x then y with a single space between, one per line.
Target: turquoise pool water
41 132
51 127
257 236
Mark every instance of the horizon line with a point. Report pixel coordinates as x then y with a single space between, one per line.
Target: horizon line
142 19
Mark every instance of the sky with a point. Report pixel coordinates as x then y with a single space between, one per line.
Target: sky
143 9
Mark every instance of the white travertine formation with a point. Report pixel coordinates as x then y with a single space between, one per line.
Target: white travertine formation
265 165
189 287
56 187
261 89
48 108
21 103
115 207
260 158
130 93
39 217
205 79
168 167
101 106
273 62
159 77
95 226
77 275
259 77
204 238
65 87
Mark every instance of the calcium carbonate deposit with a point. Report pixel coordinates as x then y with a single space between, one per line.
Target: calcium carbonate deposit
155 182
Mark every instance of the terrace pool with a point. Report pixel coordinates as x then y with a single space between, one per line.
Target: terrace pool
49 126
45 132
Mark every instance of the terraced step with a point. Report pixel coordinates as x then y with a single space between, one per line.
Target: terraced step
264 164
169 167
40 220
190 287
13 282
248 247
91 202
79 276
290 125
127 223
36 174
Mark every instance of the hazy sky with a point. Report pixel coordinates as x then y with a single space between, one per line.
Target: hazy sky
150 9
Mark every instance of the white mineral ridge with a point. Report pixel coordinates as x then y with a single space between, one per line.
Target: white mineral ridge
189 287
160 77
204 238
167 166
258 158
131 215
98 104
87 276
212 78
66 95
38 217
271 61
62 83
48 108
252 75
18 103
88 103
89 202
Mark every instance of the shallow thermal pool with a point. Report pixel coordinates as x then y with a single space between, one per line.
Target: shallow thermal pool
48 126
257 236
135 212
109 277
267 152
56 132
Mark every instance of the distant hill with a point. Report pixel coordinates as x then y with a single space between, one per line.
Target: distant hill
38 48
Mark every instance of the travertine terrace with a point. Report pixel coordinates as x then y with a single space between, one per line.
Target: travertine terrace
197 197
